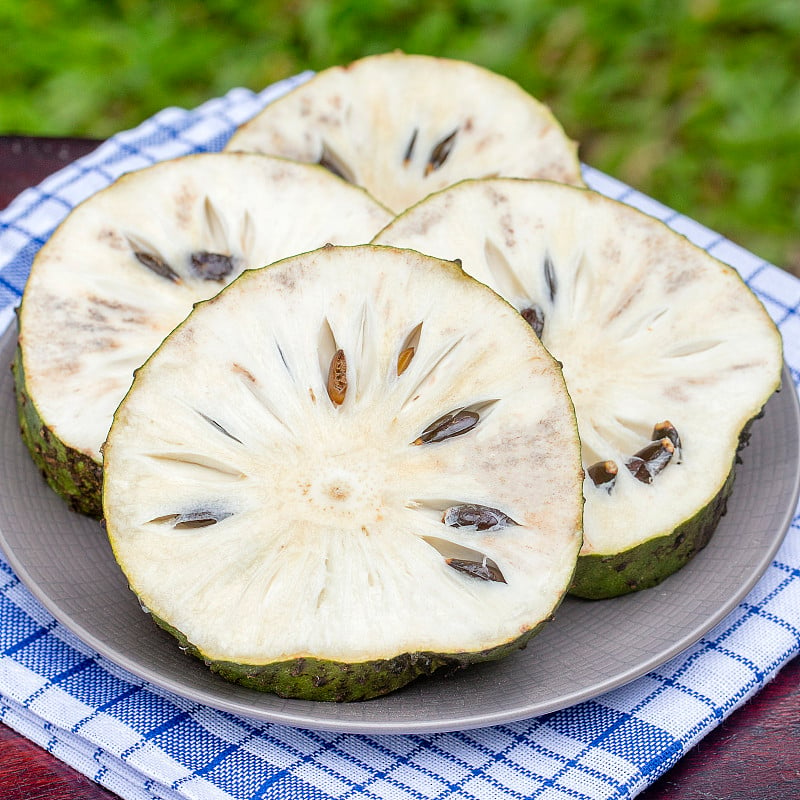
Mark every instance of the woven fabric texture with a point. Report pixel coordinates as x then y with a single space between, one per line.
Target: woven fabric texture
144 743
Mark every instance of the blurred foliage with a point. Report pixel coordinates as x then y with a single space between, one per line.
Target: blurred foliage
695 102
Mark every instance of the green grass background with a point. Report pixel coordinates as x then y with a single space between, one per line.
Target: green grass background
695 102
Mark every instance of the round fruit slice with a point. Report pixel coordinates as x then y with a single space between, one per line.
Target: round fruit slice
667 355
124 269
404 126
346 470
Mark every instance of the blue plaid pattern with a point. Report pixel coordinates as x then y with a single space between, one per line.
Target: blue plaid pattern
146 744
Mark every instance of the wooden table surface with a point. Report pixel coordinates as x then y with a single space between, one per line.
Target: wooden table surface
753 755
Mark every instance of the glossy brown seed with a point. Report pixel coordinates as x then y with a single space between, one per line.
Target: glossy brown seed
157 265
534 316
476 517
453 424
409 348
337 378
603 473
666 428
486 570
440 152
650 460
211 266
404 359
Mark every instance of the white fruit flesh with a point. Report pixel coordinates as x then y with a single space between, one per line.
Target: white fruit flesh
404 126
327 538
649 328
93 312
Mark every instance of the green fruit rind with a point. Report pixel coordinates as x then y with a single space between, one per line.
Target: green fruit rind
73 475
341 682
599 576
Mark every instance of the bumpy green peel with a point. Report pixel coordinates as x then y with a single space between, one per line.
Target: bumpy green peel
319 679
73 475
600 576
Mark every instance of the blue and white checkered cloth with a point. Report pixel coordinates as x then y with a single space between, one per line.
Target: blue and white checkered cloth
144 743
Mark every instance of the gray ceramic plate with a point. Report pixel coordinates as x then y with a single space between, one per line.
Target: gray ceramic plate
590 647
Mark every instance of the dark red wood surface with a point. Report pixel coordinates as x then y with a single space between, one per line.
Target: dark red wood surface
754 755
26 160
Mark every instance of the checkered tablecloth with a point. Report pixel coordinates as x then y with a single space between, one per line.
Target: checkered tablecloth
142 742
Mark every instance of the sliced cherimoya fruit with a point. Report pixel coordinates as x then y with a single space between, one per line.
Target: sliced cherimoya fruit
667 355
124 269
348 469
404 126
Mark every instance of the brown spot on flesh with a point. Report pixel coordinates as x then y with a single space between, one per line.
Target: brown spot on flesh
101 343
610 251
244 372
677 393
96 315
749 365
112 305
336 492
677 279
284 279
185 201
507 224
112 239
621 307
496 197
